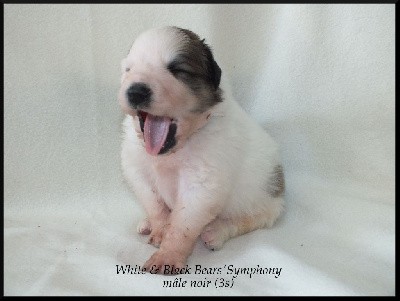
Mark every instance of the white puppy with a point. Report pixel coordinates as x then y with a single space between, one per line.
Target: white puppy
199 165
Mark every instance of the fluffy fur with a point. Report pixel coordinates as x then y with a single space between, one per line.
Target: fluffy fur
223 176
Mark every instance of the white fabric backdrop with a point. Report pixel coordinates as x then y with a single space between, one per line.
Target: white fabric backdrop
319 78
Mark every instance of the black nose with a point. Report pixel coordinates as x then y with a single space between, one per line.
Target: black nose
138 94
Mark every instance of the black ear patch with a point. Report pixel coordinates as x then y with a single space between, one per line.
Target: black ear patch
213 69
198 59
194 65
216 74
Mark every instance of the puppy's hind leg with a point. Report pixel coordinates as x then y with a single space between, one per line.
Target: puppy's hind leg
144 227
216 233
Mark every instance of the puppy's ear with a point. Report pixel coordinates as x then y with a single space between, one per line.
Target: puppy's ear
216 77
213 68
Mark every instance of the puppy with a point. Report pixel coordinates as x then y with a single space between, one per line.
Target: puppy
198 164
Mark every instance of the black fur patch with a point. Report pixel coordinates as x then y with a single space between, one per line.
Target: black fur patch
195 66
276 185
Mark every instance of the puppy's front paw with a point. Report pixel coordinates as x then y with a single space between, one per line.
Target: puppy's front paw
156 234
215 234
156 237
166 263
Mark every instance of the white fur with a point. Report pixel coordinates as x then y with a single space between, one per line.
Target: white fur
231 155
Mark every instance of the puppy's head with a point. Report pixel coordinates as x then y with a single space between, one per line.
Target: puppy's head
170 83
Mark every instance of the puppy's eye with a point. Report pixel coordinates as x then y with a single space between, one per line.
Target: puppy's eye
183 71
127 69
180 71
178 68
174 69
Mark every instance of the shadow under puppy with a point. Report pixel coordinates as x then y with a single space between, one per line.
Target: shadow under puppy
198 164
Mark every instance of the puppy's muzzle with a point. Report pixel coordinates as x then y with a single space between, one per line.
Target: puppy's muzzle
138 95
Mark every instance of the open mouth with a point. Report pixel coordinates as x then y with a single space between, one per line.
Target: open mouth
158 131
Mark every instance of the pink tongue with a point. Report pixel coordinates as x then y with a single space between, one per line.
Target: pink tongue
155 133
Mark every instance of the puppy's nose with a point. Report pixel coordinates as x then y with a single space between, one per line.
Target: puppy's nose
138 94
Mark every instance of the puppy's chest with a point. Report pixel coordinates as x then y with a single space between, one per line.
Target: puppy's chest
166 180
